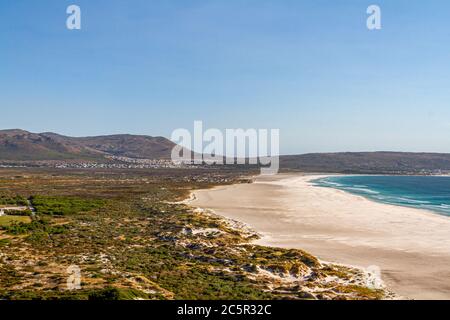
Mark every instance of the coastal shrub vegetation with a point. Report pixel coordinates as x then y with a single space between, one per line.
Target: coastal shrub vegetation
24 213
36 226
61 206
16 200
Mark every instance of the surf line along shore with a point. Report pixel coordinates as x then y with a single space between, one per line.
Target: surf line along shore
410 246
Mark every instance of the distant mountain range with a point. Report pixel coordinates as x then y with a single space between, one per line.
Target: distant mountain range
23 146
20 145
369 162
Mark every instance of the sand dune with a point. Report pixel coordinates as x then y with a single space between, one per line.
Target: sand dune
411 246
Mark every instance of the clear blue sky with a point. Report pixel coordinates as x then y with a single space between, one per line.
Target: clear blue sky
310 68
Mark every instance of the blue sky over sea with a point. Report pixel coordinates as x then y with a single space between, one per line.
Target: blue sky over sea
310 68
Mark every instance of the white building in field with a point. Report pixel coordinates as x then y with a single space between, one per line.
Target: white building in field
2 212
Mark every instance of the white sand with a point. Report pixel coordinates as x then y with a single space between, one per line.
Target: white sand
411 246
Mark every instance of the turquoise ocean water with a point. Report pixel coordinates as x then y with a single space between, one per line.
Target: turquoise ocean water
422 192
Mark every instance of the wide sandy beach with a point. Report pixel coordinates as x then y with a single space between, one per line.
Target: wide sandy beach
411 246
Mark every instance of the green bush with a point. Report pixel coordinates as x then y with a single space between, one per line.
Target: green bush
22 213
112 293
61 206
36 226
6 200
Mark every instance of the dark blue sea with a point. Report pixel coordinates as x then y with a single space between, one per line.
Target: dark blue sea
422 192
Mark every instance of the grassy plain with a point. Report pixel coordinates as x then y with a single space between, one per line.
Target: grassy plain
6 221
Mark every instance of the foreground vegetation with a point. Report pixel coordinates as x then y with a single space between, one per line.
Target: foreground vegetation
7 221
132 238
